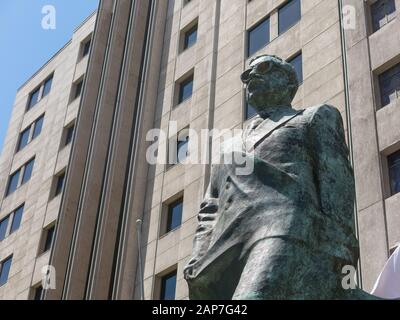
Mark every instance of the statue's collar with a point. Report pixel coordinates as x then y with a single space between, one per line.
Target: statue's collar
274 114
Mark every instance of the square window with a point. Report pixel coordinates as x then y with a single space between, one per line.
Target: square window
190 37
297 63
13 182
24 139
37 127
182 148
17 217
33 98
59 184
185 89
394 172
289 15
258 37
28 171
389 85
168 286
48 238
4 227
382 12
174 218
47 86
5 267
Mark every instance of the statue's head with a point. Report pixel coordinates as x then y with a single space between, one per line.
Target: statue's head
271 82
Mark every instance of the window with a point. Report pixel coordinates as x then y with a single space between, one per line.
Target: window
4 227
5 266
289 15
48 238
47 86
33 98
24 138
38 293
182 148
28 171
16 222
69 135
185 89
174 218
77 89
37 127
190 37
258 37
17 217
250 111
13 182
382 12
34 95
86 48
394 172
168 286
389 85
297 63
185 2
59 184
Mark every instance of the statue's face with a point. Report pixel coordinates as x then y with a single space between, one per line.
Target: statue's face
267 84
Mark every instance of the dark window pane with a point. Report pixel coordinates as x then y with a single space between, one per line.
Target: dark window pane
3 227
297 63
186 89
28 171
17 219
60 184
5 270
38 293
47 86
13 182
78 89
49 239
394 172
174 215
289 15
382 11
182 149
250 111
69 135
86 48
33 98
258 37
190 37
389 84
38 127
24 138
168 286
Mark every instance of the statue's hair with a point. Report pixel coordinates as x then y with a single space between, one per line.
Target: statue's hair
289 70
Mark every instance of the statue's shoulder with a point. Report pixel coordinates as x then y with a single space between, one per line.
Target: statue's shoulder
323 113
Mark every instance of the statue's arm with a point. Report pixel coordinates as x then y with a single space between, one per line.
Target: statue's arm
334 177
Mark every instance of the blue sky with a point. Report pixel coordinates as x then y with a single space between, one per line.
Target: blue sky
25 46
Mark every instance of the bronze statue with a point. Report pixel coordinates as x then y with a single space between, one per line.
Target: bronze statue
286 230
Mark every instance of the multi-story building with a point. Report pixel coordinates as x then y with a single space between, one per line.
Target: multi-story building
154 63
34 162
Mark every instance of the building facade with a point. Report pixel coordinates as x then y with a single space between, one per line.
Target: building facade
175 65
34 162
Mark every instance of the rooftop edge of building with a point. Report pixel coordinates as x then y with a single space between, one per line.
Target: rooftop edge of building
58 52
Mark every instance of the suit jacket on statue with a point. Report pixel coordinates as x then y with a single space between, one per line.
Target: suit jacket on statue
300 157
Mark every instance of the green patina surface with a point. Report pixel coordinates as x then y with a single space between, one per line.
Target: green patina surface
286 230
